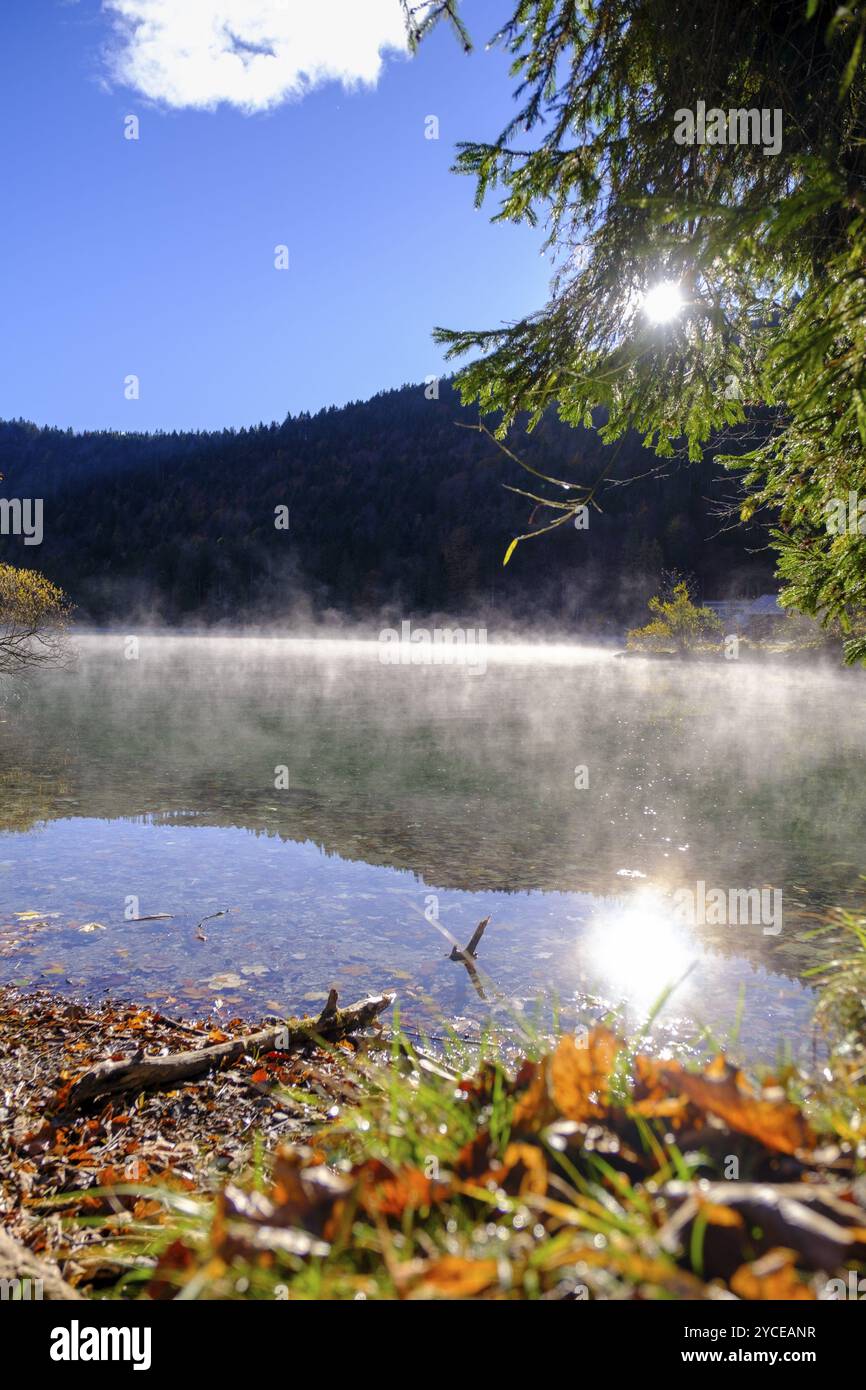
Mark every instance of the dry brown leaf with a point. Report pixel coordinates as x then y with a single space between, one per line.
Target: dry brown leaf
534 1108
455 1277
144 1209
724 1091
580 1075
652 1095
716 1214
525 1170
388 1192
772 1277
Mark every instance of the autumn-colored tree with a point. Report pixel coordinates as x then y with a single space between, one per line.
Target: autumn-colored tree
34 617
678 623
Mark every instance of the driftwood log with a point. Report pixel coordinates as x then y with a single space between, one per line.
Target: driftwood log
141 1073
26 1277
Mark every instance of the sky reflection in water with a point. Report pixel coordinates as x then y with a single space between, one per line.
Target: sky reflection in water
414 793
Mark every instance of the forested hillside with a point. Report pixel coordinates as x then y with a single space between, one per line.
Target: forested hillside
391 505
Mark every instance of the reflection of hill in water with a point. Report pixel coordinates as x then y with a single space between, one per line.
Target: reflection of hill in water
734 777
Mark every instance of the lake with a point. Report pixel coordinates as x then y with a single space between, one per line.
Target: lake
351 819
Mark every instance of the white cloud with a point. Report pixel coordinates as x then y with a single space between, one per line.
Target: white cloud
252 54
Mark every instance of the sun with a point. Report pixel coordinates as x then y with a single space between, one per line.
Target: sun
663 302
635 949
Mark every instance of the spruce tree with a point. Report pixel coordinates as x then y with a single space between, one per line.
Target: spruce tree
759 253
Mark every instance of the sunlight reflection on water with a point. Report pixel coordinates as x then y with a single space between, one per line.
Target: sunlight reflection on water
154 779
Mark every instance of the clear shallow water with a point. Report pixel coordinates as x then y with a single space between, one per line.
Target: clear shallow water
420 800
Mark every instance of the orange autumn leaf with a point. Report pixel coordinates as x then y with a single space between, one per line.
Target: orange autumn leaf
525 1170
390 1193
717 1214
88 1203
773 1277
111 1176
724 1091
652 1093
456 1277
144 1208
580 1075
534 1109
669 1108
521 1170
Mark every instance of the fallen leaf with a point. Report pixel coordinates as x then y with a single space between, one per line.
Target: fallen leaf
534 1108
390 1192
724 1091
525 1170
579 1075
773 1277
225 981
456 1277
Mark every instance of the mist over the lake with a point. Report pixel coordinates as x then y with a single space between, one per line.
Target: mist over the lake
345 811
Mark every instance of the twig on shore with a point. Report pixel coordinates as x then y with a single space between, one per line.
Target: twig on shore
141 1073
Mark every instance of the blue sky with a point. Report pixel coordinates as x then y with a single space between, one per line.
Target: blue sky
155 257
